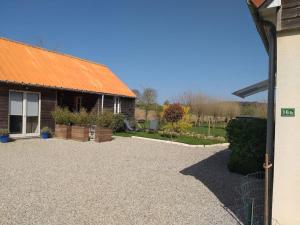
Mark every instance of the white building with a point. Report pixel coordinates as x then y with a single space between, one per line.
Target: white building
278 23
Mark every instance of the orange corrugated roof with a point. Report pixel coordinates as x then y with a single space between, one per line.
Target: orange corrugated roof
26 64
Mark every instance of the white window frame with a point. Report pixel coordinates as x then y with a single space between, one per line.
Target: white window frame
117 105
24 116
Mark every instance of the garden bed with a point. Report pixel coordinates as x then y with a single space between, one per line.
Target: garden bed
180 139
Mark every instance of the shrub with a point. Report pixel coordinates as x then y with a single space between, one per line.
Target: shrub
105 120
169 134
62 116
118 124
184 124
173 113
81 118
46 130
4 132
247 138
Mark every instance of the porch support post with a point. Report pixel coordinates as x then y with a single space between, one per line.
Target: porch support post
102 103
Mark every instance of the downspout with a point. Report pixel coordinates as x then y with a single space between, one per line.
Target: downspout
269 157
267 31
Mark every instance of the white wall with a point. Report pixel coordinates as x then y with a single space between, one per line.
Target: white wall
286 195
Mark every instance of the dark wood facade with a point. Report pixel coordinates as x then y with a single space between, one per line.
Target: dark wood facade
52 97
290 16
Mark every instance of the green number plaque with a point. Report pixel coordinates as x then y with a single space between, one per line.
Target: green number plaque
288 112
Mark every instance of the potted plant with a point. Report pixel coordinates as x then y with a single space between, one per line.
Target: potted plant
80 125
45 133
4 135
62 117
104 127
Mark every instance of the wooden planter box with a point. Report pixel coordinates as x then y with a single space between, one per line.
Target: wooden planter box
62 131
80 133
103 134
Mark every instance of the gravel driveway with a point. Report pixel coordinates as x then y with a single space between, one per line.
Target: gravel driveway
126 181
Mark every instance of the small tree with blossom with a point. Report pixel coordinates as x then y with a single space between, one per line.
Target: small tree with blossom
173 114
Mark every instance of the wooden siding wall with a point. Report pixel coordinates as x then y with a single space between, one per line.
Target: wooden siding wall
3 107
48 103
290 17
49 97
128 107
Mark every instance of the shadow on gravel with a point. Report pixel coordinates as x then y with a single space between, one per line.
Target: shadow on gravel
213 173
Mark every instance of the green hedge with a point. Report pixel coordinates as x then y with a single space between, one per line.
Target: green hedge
247 138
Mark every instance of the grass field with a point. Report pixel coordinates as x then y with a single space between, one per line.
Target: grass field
217 131
181 139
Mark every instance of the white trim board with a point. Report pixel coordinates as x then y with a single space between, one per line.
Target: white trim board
182 144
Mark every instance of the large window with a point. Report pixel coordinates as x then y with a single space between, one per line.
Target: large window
117 105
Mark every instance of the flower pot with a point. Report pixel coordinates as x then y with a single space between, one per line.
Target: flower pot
4 138
103 134
62 131
45 135
80 133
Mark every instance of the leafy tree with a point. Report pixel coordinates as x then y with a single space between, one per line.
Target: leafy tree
148 99
173 113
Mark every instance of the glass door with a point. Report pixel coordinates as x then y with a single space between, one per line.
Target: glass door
24 113
16 112
32 113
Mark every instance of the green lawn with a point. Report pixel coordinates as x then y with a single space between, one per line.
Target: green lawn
181 139
217 131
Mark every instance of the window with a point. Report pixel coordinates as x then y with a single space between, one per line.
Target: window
117 105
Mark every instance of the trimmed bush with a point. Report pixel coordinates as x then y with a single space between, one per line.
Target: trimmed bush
247 138
62 116
4 132
118 124
81 118
173 113
105 120
45 130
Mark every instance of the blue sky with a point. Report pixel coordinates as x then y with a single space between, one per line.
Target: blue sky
170 45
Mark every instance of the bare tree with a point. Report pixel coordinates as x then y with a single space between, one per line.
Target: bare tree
148 100
138 96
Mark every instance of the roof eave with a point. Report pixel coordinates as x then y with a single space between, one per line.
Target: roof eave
259 26
65 89
252 89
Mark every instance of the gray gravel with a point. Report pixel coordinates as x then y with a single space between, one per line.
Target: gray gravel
126 181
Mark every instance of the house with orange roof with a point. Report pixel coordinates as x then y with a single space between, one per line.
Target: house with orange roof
33 81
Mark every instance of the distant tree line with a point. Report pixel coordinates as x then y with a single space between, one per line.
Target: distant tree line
204 108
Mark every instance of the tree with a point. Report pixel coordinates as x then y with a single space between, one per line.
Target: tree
173 113
148 99
198 106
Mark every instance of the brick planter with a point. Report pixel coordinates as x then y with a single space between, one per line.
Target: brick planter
62 131
103 134
80 133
